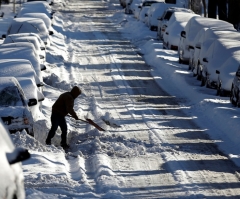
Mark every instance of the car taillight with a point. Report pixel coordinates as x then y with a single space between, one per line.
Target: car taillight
25 121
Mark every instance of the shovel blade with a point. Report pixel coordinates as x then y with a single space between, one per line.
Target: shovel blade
95 125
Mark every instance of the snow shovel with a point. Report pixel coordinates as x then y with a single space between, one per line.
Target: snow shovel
89 121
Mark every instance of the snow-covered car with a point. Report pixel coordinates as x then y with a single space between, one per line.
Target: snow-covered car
27 25
23 53
19 68
27 36
42 16
34 9
171 37
31 92
177 22
41 6
235 88
155 11
14 106
17 38
208 36
22 45
166 16
11 174
142 15
145 3
226 74
219 51
194 25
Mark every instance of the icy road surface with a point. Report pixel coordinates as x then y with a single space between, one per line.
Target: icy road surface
152 148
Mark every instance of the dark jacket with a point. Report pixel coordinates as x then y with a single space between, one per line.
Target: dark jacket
65 102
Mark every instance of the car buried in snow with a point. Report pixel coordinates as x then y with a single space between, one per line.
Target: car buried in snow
11 174
219 51
194 25
30 25
14 106
15 38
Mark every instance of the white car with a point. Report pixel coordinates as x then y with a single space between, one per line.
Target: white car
14 106
142 15
17 38
29 34
22 45
207 37
171 38
226 74
27 25
11 174
19 68
31 92
23 53
144 3
41 6
152 8
219 51
194 25
42 16
166 16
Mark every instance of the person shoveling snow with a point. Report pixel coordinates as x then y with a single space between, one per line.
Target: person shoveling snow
62 107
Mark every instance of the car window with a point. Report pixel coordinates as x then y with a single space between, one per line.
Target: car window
168 15
10 96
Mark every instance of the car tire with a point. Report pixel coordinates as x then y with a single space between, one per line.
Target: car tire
232 97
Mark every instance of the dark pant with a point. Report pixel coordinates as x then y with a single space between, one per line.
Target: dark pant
58 120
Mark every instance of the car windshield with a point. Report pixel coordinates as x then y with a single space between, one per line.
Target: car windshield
9 96
168 15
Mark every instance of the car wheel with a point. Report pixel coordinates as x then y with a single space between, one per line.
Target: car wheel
208 84
219 90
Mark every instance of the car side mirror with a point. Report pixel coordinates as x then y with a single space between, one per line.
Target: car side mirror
41 56
51 3
32 102
191 47
18 155
146 14
42 48
238 73
166 33
140 7
205 60
183 34
43 67
218 72
50 32
4 36
198 46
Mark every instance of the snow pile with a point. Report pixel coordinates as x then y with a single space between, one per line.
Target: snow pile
54 81
22 139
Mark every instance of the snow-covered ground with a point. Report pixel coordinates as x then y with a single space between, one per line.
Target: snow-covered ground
168 137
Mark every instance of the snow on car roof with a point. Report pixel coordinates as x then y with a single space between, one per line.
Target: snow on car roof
18 68
181 17
211 33
197 23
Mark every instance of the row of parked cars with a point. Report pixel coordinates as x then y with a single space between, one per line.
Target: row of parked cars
22 60
211 47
